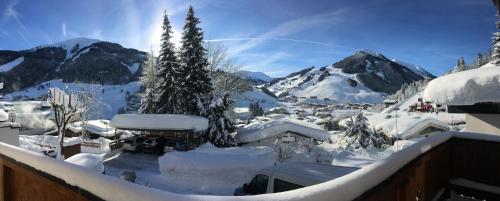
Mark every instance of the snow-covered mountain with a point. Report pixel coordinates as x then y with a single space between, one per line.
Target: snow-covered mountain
255 77
364 77
75 60
416 69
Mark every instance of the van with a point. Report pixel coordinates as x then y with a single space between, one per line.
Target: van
290 176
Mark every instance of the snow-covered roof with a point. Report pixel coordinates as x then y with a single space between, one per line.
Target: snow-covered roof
417 126
308 173
261 130
159 122
99 127
466 87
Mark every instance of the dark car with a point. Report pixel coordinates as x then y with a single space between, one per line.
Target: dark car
153 144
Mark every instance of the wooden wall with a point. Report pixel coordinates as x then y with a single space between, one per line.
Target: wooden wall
430 173
19 182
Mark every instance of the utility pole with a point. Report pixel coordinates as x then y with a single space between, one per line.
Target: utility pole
396 109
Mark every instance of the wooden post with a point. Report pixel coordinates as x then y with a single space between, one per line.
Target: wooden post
2 182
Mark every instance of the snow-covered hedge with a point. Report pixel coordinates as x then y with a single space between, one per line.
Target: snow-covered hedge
344 188
209 169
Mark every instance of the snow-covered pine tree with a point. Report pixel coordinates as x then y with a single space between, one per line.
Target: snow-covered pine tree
227 85
167 88
460 65
148 81
361 136
221 125
359 131
194 76
496 44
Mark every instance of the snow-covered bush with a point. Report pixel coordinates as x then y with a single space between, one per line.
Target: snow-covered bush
284 151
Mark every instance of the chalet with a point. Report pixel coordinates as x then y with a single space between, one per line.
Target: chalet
282 130
183 129
419 128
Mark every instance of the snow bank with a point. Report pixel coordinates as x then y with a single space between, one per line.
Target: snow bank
466 87
209 169
88 160
347 187
159 122
8 66
261 130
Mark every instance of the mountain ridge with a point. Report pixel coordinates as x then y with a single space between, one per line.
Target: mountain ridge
365 77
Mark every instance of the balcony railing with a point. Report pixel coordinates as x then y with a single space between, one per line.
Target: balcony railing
440 167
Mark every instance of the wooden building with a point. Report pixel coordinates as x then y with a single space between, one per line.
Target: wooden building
175 128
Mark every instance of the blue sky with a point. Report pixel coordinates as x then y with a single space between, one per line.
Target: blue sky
275 37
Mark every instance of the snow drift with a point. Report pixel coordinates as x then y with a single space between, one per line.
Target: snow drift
90 161
214 170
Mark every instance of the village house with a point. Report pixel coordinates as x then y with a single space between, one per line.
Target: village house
474 92
282 130
174 128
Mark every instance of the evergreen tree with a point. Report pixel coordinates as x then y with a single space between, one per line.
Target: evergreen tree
168 93
221 125
148 83
362 136
194 76
495 56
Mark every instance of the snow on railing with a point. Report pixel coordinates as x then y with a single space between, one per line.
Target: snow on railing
347 187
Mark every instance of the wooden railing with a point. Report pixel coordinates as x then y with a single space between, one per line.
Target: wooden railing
21 182
469 167
430 176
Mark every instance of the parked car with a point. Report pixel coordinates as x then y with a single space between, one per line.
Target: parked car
290 176
153 144
133 144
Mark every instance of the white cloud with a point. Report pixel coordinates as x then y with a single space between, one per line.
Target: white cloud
280 39
291 27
